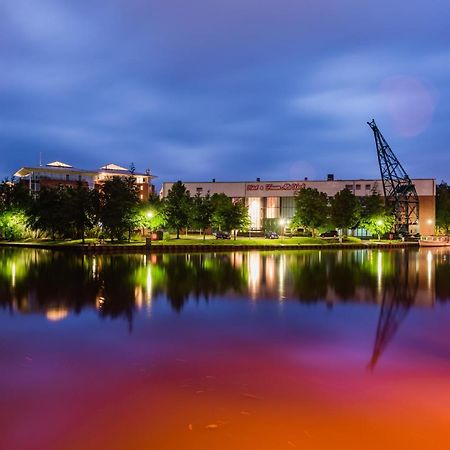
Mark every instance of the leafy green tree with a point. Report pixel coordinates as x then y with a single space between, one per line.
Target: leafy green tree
14 195
48 212
345 211
202 212
119 201
443 207
240 218
81 210
14 202
228 215
151 214
375 217
178 207
311 210
222 211
13 225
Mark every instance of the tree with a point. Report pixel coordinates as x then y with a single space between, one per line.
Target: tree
118 203
14 195
202 212
151 214
240 218
81 206
311 209
345 211
178 207
375 217
14 202
13 225
48 212
443 207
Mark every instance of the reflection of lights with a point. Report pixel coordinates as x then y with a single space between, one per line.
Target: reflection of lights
429 266
429 221
149 289
270 271
379 270
55 314
281 278
253 273
99 302
94 267
13 275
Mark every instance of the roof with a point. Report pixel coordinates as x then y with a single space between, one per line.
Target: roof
113 167
25 171
59 164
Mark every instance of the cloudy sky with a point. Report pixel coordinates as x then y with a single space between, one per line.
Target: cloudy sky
226 89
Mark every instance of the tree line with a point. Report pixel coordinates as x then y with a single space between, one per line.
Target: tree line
316 211
115 212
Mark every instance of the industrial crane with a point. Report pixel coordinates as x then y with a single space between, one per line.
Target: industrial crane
399 191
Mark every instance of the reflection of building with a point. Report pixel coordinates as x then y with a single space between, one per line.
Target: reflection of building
275 199
60 174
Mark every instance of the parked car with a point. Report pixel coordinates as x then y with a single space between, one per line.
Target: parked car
222 235
271 235
329 234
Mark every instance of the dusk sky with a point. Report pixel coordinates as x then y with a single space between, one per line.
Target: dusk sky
229 89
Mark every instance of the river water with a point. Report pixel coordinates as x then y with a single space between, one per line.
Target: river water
248 350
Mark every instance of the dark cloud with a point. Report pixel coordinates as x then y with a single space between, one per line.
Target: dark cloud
231 90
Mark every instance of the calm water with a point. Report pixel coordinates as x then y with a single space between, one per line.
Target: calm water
307 349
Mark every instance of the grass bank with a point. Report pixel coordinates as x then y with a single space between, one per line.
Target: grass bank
196 243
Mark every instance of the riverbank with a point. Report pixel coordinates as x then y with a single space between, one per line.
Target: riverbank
188 245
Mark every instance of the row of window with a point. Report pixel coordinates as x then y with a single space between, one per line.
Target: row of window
358 187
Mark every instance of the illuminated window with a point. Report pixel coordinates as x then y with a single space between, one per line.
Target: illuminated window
254 210
273 207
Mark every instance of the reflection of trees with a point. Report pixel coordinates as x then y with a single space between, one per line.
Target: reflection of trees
442 276
200 276
399 294
310 281
37 279
341 272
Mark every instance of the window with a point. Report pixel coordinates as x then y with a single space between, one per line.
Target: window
349 186
199 190
367 187
273 207
358 187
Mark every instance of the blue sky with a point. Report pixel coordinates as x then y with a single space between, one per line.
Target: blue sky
231 90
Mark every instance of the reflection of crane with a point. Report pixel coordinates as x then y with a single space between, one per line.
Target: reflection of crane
398 297
399 191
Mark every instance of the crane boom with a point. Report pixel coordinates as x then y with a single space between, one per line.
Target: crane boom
399 192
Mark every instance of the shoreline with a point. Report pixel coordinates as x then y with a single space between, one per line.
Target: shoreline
201 248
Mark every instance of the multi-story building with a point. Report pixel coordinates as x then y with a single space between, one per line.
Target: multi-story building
276 199
58 173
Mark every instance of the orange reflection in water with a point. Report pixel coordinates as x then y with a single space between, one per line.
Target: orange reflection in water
233 396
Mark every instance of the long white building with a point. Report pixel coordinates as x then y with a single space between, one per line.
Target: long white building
276 199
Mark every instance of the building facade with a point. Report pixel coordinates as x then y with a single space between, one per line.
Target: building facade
276 199
58 173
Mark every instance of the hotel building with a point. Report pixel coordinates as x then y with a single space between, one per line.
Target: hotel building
58 173
276 199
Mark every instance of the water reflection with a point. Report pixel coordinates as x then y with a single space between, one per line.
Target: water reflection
58 284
